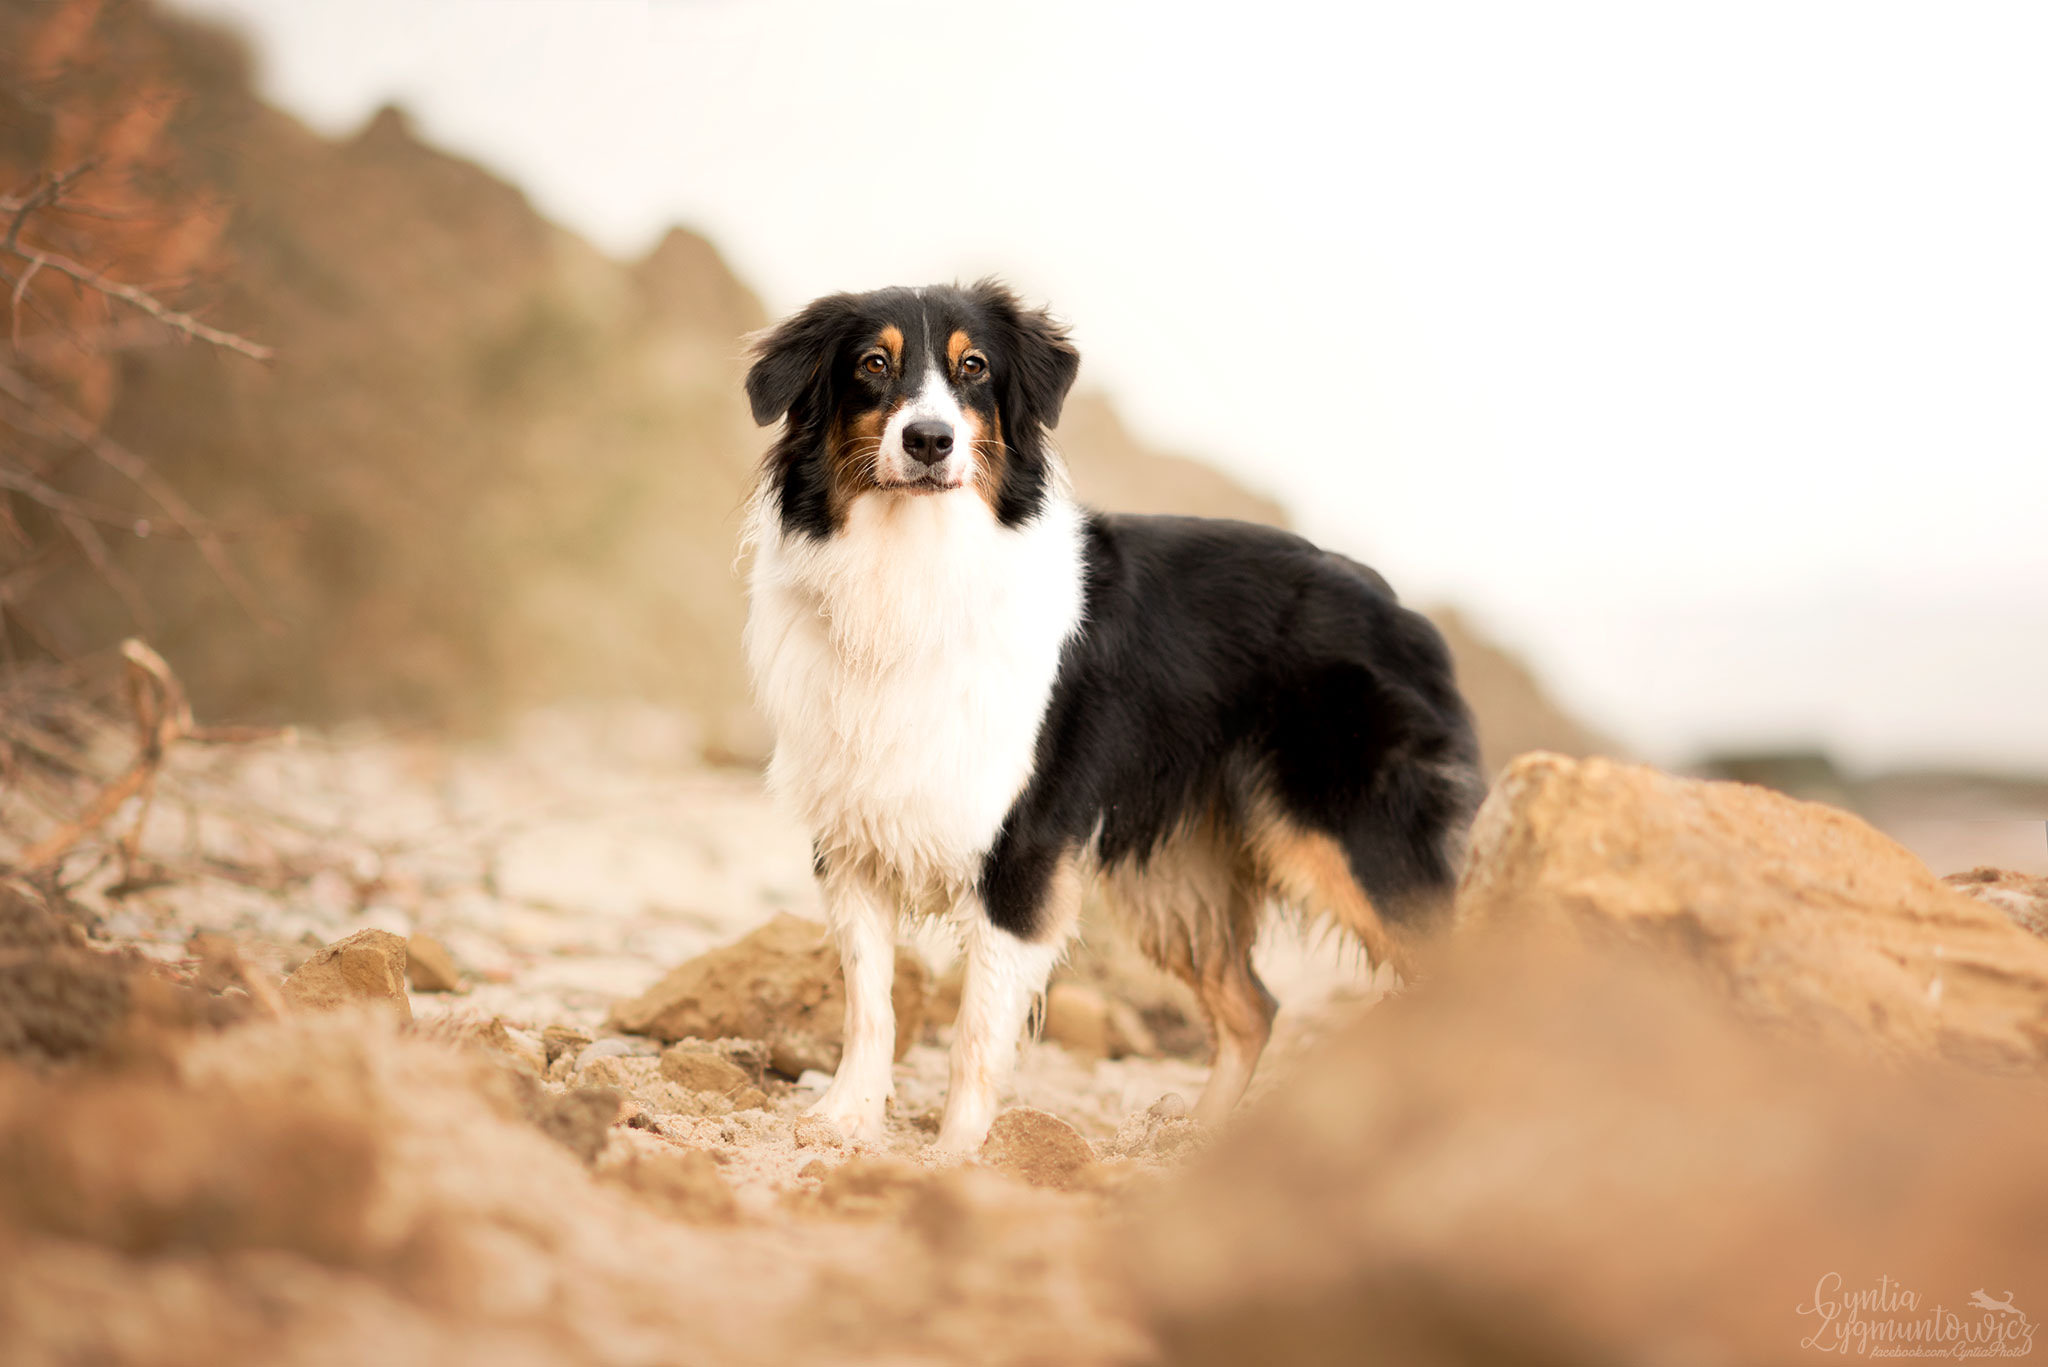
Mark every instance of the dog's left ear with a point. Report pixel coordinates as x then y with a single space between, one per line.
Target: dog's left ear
794 358
1042 360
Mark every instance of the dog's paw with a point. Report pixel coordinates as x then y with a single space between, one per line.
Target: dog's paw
856 1122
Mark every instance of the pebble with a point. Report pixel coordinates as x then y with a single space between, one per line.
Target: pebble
613 1047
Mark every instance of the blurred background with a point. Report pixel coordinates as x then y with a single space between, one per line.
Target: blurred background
1684 363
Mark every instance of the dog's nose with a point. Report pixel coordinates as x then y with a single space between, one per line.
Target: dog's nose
927 441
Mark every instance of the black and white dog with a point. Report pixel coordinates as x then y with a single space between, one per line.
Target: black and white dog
983 693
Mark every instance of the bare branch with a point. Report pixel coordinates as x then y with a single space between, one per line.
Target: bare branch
141 299
46 193
12 204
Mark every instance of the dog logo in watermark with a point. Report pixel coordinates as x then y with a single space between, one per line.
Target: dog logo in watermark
1888 1320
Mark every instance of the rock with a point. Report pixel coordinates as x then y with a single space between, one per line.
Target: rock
750 1056
816 1132
681 1184
710 1076
368 966
1164 1130
1037 1146
604 1048
704 1070
611 1070
2020 896
429 967
220 962
1489 1168
579 1120
518 1047
779 984
1803 913
557 1040
61 1001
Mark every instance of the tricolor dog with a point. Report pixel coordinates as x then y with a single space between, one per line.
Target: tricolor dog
984 694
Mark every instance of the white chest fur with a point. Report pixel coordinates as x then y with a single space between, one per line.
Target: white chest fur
905 664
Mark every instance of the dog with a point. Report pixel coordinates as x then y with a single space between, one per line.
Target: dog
983 694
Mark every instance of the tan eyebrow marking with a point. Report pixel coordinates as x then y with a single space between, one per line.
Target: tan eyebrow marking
955 346
892 342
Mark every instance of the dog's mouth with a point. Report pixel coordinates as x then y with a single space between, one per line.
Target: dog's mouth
929 484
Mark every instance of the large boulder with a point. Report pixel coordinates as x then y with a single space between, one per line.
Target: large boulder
1557 1155
781 984
1800 911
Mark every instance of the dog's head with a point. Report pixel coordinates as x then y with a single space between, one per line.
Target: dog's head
911 393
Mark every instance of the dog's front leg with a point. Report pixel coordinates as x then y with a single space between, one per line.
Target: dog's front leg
863 920
1004 976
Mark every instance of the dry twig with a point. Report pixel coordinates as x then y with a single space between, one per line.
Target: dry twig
163 717
47 195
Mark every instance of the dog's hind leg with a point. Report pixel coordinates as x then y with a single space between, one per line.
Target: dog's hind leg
1194 907
1239 1008
863 917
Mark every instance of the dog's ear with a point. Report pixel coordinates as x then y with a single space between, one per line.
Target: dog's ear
1042 360
795 356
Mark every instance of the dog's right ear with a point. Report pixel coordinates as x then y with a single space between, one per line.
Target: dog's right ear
795 356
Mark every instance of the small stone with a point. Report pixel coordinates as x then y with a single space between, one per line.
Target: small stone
429 967
609 1071
817 1167
558 1040
699 1069
1038 1147
220 964
368 966
749 1055
517 1045
1163 1130
816 1132
613 1047
580 1120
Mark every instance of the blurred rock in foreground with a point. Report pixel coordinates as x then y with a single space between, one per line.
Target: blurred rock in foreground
1566 1156
1800 911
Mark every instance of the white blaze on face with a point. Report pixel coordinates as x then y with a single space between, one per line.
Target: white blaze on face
934 402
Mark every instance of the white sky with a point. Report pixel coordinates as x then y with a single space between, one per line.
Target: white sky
1700 351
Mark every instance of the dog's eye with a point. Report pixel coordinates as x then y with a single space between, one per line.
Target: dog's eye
970 366
875 363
